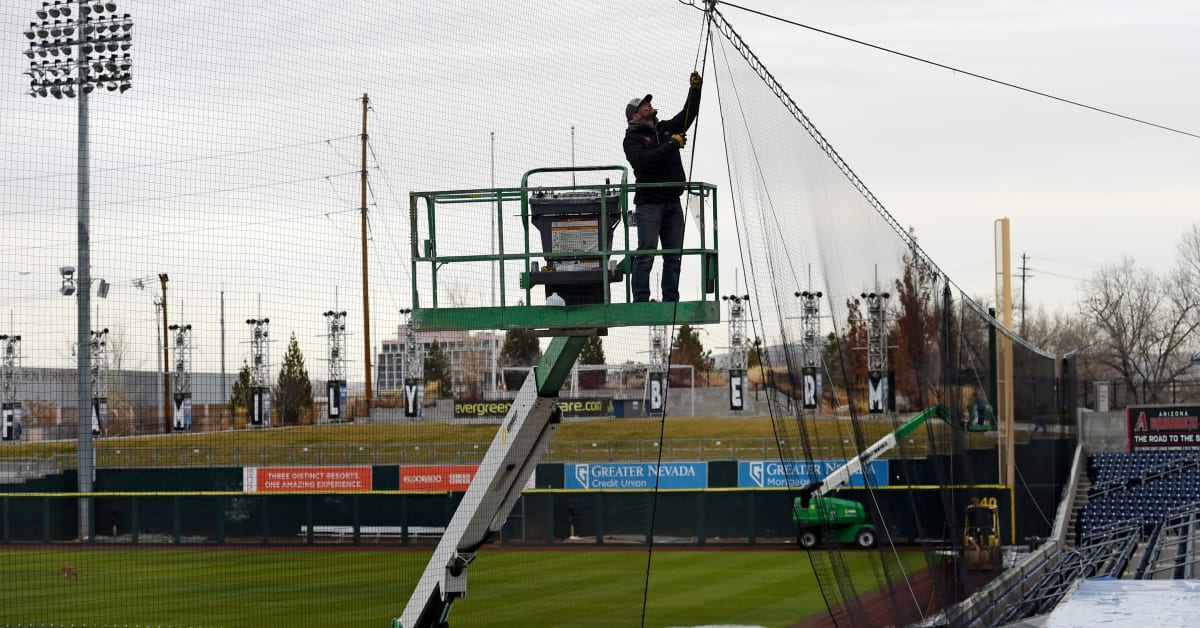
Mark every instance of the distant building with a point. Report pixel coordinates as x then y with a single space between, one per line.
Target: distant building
470 355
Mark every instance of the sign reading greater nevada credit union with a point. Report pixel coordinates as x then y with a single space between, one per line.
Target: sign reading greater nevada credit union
1164 427
777 474
636 475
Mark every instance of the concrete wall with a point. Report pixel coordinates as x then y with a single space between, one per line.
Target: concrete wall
1103 431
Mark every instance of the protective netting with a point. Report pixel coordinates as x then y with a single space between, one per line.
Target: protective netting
230 193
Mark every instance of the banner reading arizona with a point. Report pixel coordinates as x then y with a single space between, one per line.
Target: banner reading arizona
305 479
1164 427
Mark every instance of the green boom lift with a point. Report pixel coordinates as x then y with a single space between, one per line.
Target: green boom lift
579 275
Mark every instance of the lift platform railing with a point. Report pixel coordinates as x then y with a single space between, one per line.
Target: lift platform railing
580 255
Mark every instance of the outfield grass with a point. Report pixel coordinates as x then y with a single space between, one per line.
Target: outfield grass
199 587
689 438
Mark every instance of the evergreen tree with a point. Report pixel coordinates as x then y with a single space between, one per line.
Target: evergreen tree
754 357
293 392
687 349
437 370
240 394
521 349
592 354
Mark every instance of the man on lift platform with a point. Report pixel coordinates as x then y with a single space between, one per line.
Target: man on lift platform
652 148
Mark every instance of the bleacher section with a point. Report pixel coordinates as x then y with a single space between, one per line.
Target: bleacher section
1139 486
1140 521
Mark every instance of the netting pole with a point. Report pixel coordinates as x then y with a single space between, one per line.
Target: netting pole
83 304
366 300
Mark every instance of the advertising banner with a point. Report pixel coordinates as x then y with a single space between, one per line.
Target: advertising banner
260 407
776 474
737 390
636 475
574 407
812 388
335 400
305 479
99 416
1164 427
414 399
658 393
183 412
437 477
881 392
10 421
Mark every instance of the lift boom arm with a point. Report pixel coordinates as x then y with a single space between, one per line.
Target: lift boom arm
507 466
842 474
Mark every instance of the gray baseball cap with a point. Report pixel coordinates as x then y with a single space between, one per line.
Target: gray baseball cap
634 104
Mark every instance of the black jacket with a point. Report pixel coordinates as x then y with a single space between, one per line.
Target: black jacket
654 157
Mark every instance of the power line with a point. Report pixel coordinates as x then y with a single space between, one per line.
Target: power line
965 72
180 161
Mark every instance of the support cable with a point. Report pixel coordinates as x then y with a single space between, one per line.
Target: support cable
981 77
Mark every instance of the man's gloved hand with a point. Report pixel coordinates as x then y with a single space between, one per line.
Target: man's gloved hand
680 139
695 80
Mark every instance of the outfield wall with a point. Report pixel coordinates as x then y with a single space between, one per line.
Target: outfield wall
215 505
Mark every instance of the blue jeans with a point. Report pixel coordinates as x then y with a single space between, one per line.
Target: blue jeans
658 221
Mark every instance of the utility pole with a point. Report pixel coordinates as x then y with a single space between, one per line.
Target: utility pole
366 292
1024 275
163 279
224 389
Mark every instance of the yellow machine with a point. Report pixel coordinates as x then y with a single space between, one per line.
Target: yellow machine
981 537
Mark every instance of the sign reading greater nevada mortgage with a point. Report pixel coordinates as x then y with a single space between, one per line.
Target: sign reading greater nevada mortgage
776 474
1164 427
305 479
636 475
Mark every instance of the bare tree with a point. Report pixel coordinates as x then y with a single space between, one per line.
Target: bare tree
1141 325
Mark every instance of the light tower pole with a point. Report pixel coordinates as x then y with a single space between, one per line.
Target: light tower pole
414 370
810 348
656 371
880 394
183 378
260 371
99 382
739 350
335 387
67 58
10 410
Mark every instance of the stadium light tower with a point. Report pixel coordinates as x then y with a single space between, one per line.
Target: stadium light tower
739 347
182 412
810 348
414 370
335 387
72 51
10 410
881 390
260 371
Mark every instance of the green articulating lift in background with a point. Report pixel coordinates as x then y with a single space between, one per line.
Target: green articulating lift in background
580 276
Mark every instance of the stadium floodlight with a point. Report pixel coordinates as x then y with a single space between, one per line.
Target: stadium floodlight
71 37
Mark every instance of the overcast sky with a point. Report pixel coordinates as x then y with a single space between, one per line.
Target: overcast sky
948 154
232 164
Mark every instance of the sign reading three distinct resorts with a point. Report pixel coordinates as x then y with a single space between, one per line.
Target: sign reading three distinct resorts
776 474
1164 427
305 479
576 407
636 475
